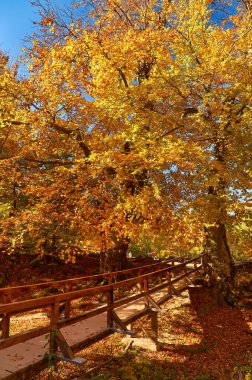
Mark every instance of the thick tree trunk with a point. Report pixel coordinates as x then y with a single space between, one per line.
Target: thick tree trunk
114 259
220 266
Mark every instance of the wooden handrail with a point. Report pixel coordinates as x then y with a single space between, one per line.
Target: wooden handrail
21 306
76 280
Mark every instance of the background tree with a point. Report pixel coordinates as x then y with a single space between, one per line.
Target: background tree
13 132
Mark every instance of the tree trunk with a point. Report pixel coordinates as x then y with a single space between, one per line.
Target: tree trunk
115 258
220 267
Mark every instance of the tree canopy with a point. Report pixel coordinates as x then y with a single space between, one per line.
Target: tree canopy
134 118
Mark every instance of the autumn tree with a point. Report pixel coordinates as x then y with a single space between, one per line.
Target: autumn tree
13 133
139 115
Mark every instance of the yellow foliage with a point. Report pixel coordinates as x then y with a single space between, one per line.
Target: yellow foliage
138 120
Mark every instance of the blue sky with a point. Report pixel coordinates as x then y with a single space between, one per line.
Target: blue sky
16 22
16 17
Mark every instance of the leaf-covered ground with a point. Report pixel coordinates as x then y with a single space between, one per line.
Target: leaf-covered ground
198 341
28 269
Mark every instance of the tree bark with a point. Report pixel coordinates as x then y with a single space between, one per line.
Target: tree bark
219 262
114 259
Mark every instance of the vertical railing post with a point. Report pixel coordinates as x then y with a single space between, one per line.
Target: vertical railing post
160 275
110 300
6 318
185 269
168 277
195 264
68 288
54 325
154 325
203 261
146 290
139 281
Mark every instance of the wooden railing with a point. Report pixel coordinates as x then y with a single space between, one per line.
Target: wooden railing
158 276
77 281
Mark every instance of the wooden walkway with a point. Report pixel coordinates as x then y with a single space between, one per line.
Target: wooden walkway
24 353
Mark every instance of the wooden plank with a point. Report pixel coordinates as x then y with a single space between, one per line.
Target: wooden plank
128 299
22 337
20 306
4 374
90 340
83 316
27 372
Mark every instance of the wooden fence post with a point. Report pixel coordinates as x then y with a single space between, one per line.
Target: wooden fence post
203 262
139 281
68 288
154 325
146 289
54 326
168 277
160 275
185 269
110 300
5 318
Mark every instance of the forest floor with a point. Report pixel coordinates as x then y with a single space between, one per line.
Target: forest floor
197 340
27 269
